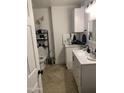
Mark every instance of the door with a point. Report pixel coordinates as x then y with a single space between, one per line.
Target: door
34 82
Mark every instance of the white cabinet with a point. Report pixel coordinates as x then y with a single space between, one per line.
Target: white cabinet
79 24
68 54
84 75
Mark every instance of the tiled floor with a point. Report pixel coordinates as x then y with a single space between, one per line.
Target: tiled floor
57 79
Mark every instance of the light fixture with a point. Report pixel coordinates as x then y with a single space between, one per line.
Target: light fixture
91 9
87 10
89 6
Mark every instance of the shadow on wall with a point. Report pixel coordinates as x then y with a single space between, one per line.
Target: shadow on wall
52 36
61 56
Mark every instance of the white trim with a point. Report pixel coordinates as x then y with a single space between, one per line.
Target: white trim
32 72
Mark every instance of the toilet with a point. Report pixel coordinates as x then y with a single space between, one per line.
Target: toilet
42 62
42 57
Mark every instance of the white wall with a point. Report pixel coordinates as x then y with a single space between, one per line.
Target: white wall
45 12
63 22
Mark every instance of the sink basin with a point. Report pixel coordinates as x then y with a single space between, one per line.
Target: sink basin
91 57
79 54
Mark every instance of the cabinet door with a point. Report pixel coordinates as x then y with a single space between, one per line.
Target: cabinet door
79 19
89 78
69 57
68 52
77 72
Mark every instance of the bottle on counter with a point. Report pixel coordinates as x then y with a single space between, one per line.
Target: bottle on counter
88 49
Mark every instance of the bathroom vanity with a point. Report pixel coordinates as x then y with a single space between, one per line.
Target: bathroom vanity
84 71
68 54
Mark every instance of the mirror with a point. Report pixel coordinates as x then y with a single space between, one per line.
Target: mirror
91 20
92 30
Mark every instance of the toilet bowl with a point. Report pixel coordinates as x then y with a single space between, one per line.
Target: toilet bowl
42 57
42 61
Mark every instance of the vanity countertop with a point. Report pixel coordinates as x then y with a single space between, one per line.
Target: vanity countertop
72 45
82 57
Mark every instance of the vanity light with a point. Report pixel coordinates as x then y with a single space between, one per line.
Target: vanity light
87 10
91 9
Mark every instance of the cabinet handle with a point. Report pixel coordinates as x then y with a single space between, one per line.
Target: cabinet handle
73 58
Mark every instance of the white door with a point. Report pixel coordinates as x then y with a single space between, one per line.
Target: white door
34 82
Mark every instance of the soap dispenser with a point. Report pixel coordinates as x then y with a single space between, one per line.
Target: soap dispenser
88 49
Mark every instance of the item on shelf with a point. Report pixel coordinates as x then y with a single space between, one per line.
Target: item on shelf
42 36
39 31
43 41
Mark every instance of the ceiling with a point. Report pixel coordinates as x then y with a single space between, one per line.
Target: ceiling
48 3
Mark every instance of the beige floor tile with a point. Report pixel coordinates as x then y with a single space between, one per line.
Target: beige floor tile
57 79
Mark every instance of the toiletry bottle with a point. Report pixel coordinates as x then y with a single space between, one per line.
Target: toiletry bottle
88 49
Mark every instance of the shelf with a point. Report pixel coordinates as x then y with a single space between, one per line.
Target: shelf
40 39
42 46
41 33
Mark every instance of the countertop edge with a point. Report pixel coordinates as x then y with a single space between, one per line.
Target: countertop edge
78 58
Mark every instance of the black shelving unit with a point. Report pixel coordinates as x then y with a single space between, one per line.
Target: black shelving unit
43 41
